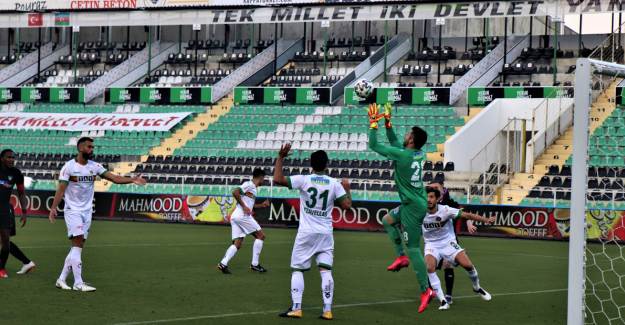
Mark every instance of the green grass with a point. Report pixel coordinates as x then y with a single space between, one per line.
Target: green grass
147 272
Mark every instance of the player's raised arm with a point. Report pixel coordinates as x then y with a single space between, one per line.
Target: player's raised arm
138 180
386 151
390 133
475 217
278 175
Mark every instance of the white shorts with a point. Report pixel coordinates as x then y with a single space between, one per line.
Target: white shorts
443 251
309 245
243 226
78 223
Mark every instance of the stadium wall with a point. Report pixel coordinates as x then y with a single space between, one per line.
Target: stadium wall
512 221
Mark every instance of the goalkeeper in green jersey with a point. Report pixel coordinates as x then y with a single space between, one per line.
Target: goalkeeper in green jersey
407 160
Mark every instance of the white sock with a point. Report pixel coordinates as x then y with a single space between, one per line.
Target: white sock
257 248
474 278
76 263
327 289
297 289
230 252
435 282
67 267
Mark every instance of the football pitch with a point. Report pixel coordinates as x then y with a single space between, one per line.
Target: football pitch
166 274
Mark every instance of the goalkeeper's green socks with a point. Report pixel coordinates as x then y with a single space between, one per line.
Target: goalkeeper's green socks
395 236
418 265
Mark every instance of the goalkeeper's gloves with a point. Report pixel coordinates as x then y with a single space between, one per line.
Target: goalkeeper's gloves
374 116
387 115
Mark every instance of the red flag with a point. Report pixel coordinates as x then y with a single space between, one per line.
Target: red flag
35 19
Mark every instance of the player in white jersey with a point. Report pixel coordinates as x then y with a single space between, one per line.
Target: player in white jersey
318 194
441 244
243 222
76 188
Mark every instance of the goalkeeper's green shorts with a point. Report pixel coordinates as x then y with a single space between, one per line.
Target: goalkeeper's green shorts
410 216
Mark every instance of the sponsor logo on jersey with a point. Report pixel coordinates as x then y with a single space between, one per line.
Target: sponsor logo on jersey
320 180
82 179
434 225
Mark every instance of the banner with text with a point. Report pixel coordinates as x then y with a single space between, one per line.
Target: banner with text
88 122
267 10
149 95
282 95
511 221
401 95
42 95
482 96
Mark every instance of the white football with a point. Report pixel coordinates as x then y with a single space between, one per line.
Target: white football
363 88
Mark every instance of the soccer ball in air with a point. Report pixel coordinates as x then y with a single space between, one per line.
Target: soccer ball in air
363 88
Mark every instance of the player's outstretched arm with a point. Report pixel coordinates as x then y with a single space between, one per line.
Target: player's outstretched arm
390 133
386 151
58 196
475 217
138 180
278 175
237 197
264 204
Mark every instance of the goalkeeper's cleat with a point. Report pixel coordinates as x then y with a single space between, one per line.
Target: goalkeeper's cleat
83 287
3 273
399 263
62 285
327 315
258 268
449 299
26 268
483 294
444 305
290 313
425 299
223 268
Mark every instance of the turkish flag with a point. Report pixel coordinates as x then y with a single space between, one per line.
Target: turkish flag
35 19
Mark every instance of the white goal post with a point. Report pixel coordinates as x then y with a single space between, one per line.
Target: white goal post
577 277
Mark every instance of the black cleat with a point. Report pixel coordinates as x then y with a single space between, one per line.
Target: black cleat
449 299
223 268
258 268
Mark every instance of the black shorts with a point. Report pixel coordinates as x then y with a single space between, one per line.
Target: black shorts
7 221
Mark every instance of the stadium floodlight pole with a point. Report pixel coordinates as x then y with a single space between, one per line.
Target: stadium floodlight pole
579 35
385 47
149 51
275 47
39 54
75 52
555 50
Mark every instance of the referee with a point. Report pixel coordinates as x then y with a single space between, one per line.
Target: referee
10 176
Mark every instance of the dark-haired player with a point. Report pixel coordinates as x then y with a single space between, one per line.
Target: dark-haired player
408 162
76 188
9 177
243 223
319 193
441 244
